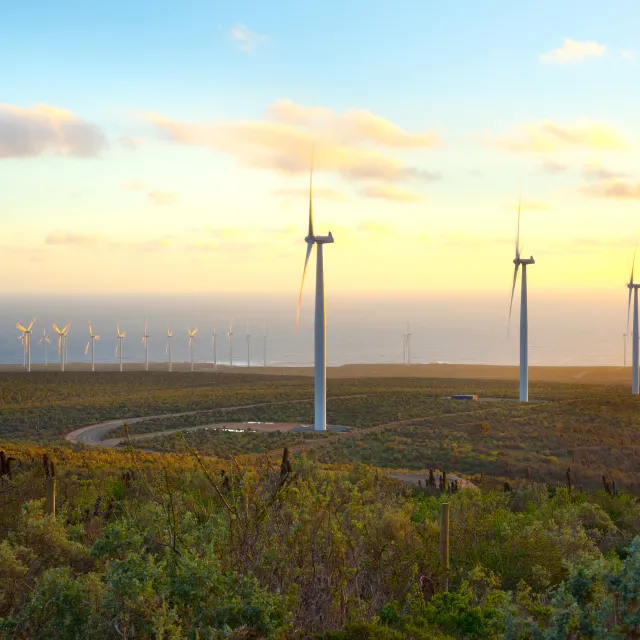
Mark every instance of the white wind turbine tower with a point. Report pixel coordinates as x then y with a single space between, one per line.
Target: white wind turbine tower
320 329
192 337
92 343
230 338
121 337
248 335
145 342
62 343
169 336
214 344
26 332
264 344
408 344
45 341
633 289
524 318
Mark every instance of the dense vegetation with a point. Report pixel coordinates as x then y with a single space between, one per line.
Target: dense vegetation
165 547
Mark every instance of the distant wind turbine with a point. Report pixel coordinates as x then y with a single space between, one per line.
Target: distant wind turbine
192 337
248 335
524 319
26 332
408 344
169 336
633 289
230 338
92 343
121 336
45 341
320 331
214 344
62 343
264 344
145 342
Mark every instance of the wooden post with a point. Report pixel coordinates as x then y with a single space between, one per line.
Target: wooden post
51 496
444 540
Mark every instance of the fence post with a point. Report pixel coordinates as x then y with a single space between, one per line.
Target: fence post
444 540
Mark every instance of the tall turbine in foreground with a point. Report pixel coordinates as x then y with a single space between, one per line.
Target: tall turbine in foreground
230 338
320 328
633 289
26 332
62 343
145 342
192 337
45 340
524 317
92 343
248 346
121 336
169 336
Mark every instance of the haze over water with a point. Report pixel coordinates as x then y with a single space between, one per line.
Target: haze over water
470 329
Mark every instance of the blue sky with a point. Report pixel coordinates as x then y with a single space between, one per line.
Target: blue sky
471 72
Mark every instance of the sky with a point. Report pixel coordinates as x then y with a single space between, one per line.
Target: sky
165 146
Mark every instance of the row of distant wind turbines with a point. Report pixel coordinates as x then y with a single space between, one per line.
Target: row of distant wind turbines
26 332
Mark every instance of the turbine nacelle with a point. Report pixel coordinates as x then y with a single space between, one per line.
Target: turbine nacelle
518 261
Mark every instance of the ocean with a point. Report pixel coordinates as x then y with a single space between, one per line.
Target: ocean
467 329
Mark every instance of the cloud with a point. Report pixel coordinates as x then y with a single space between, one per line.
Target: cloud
389 192
614 189
134 185
131 143
530 205
353 127
573 51
629 55
321 193
375 228
46 130
245 39
595 171
549 137
553 167
285 146
162 198
74 239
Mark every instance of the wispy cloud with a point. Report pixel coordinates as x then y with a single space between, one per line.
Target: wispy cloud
131 143
614 189
343 144
391 192
551 166
372 227
162 198
74 239
78 240
595 171
574 51
529 205
47 130
321 193
549 137
246 39
630 55
134 185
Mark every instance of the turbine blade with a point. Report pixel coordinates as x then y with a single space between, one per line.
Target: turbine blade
55 328
513 289
20 327
86 349
311 193
31 325
518 227
96 337
304 273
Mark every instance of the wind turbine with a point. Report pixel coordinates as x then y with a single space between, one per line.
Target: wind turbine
26 332
214 344
62 343
230 338
524 319
320 330
23 342
92 342
145 342
192 337
264 344
169 336
45 341
248 346
633 288
408 344
121 337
